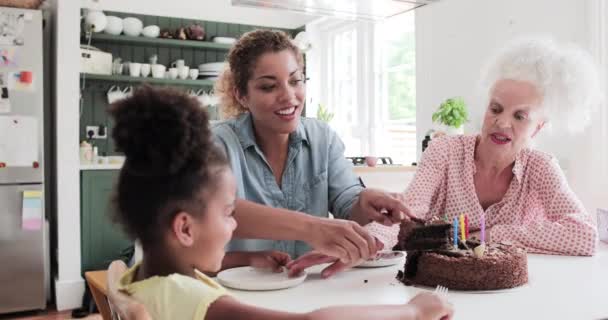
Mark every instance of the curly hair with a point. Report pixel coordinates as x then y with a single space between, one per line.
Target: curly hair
242 59
170 158
564 74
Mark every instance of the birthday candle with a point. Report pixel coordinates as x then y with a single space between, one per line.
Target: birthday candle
466 226
482 228
462 234
456 232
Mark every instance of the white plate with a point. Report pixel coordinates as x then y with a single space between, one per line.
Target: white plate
224 40
384 259
212 66
254 279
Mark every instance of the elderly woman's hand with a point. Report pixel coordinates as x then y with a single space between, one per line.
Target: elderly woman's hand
380 206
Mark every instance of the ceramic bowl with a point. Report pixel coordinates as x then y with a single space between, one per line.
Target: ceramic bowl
114 25
96 20
151 31
132 26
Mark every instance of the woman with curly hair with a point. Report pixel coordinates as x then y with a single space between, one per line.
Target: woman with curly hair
282 160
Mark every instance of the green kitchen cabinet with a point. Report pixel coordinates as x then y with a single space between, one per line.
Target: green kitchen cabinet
101 240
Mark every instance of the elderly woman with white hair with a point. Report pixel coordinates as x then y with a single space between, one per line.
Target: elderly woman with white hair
521 192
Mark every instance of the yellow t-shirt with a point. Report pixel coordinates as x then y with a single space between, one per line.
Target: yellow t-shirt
173 297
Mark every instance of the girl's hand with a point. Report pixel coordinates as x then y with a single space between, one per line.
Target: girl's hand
274 260
430 306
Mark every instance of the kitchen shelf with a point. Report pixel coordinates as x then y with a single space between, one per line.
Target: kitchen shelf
121 78
123 39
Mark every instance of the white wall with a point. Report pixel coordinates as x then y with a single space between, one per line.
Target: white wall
455 36
69 285
212 10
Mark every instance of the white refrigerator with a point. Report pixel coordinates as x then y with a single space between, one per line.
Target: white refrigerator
23 249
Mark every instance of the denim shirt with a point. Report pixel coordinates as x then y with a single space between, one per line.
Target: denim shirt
317 178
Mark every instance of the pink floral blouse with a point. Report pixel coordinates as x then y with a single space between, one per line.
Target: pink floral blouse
539 210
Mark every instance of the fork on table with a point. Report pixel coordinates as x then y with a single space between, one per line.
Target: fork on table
442 291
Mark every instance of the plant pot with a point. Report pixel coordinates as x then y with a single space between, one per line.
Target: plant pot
448 130
454 131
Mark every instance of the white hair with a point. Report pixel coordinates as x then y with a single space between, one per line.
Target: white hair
565 75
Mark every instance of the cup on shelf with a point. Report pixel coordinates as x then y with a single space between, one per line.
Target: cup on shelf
201 96
193 74
173 73
125 68
134 69
114 94
153 59
183 72
117 65
145 70
178 63
127 92
158 71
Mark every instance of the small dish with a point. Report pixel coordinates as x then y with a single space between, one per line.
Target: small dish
384 259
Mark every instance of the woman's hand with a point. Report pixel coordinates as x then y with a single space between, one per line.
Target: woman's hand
380 206
274 260
343 239
312 258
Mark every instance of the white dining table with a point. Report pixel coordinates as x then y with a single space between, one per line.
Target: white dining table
560 287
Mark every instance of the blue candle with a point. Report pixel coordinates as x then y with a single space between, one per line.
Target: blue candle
456 232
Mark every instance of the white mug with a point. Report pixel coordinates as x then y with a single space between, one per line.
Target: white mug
178 63
183 72
114 94
134 69
202 97
145 70
127 92
193 74
158 71
172 73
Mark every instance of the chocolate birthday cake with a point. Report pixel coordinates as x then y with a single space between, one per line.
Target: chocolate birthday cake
432 259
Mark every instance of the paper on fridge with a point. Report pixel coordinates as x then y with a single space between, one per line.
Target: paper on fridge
31 218
19 141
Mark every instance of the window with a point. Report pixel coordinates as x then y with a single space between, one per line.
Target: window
364 73
342 91
397 86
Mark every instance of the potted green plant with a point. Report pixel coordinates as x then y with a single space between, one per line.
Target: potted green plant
452 113
324 114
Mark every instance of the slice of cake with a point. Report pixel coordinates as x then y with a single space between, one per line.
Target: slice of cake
433 260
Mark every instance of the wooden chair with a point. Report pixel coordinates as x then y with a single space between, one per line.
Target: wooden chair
97 281
113 304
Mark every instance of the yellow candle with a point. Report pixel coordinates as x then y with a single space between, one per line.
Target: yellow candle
462 231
